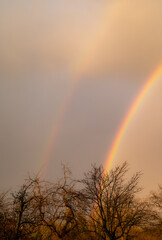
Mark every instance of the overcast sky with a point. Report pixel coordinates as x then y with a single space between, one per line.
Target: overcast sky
69 72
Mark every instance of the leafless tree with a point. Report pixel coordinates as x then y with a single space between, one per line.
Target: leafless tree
6 221
59 206
104 206
156 212
24 210
112 209
156 198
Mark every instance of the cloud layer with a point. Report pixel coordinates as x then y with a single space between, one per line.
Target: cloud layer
108 47
119 36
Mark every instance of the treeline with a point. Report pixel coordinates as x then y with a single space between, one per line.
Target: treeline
101 206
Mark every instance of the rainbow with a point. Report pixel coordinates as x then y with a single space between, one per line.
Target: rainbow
80 69
127 119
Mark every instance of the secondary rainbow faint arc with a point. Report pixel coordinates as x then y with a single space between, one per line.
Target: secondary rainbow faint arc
134 107
80 70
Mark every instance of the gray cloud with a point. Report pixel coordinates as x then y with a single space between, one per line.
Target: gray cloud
131 39
119 36
111 47
44 38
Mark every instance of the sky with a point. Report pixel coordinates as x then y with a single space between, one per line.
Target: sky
69 72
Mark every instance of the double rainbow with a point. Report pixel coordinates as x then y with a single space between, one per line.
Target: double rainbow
122 129
80 69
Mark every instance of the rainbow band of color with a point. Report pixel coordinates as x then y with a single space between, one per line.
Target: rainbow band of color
134 107
80 70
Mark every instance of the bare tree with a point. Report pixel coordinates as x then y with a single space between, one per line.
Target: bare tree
42 210
104 206
24 211
112 209
156 212
58 205
6 221
156 198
